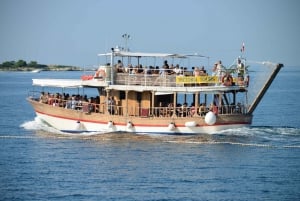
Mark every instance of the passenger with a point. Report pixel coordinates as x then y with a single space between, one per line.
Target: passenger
182 70
184 110
43 98
79 102
220 70
202 109
202 71
128 68
192 110
170 109
227 79
161 110
69 103
73 103
214 108
91 105
55 100
50 99
97 104
165 68
171 70
140 69
166 65
240 68
150 70
177 70
239 108
85 99
135 70
120 67
178 109
111 105
156 71
196 71
214 70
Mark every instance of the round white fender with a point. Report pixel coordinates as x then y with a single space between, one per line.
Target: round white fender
210 118
190 124
171 126
110 124
129 124
78 125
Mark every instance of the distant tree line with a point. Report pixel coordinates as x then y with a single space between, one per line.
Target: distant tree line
22 65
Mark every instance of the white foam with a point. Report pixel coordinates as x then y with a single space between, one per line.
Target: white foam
37 124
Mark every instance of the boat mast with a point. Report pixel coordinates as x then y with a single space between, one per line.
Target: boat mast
264 89
126 37
112 66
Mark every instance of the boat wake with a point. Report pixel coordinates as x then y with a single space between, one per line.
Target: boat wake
263 136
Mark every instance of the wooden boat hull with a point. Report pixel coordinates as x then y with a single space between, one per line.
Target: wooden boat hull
75 121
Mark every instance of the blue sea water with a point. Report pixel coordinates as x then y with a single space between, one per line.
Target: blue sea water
257 163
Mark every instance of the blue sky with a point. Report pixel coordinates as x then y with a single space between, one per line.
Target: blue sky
73 32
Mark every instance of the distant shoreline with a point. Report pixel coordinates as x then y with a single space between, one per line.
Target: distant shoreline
30 69
14 70
23 66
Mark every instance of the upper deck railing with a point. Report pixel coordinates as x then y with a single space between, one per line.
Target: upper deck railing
176 80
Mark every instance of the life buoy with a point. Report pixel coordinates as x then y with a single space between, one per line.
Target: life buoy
87 77
227 80
100 73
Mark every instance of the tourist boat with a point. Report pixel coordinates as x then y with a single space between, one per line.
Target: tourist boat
151 98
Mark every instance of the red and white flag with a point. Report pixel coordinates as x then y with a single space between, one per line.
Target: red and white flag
243 47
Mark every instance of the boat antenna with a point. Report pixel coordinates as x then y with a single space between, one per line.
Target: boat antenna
126 38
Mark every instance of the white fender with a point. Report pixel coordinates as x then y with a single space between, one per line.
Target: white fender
129 124
171 126
210 118
190 124
78 126
110 124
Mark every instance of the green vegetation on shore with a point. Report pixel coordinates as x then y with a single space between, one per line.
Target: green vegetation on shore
22 65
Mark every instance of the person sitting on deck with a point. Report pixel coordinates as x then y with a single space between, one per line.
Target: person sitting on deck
214 108
196 71
120 67
73 103
111 105
227 79
184 110
43 98
192 111
171 70
140 69
177 70
128 68
202 71
202 109
91 107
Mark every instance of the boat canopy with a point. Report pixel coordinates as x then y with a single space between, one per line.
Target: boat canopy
63 83
143 54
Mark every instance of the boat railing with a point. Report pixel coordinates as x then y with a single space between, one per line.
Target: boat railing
168 111
173 80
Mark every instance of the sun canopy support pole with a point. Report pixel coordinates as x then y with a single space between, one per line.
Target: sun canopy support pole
264 89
